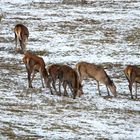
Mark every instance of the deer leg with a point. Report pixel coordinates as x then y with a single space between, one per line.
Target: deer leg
65 90
71 89
53 84
41 75
51 90
107 91
48 83
42 81
60 82
131 83
74 93
130 88
136 90
32 77
98 86
16 41
29 79
23 46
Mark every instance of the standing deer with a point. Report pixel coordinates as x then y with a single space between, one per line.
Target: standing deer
69 76
33 65
96 72
21 36
132 74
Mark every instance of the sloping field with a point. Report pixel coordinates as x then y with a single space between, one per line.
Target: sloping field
104 32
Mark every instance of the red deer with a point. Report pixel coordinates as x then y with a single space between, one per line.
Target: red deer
66 76
96 72
21 36
69 76
33 65
132 74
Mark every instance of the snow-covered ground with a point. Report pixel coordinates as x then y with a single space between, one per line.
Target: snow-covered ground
103 32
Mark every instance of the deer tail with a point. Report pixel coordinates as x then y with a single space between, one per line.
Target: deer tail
18 32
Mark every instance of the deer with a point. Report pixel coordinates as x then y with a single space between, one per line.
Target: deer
33 65
21 36
132 74
69 77
90 70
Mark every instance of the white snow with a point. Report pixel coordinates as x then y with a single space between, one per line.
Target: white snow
69 34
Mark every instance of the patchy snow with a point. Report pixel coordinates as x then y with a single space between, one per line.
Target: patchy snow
68 34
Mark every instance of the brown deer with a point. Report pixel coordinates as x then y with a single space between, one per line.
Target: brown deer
33 65
69 76
96 72
21 36
53 73
132 74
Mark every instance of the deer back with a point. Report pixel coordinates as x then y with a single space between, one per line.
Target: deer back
94 71
33 61
64 72
53 71
90 70
34 58
69 74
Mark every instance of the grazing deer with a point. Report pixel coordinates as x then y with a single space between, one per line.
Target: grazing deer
35 64
96 72
21 36
132 74
69 76
66 76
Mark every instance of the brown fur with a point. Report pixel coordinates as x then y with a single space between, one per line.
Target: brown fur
53 73
132 74
70 77
35 64
96 72
21 36
67 76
